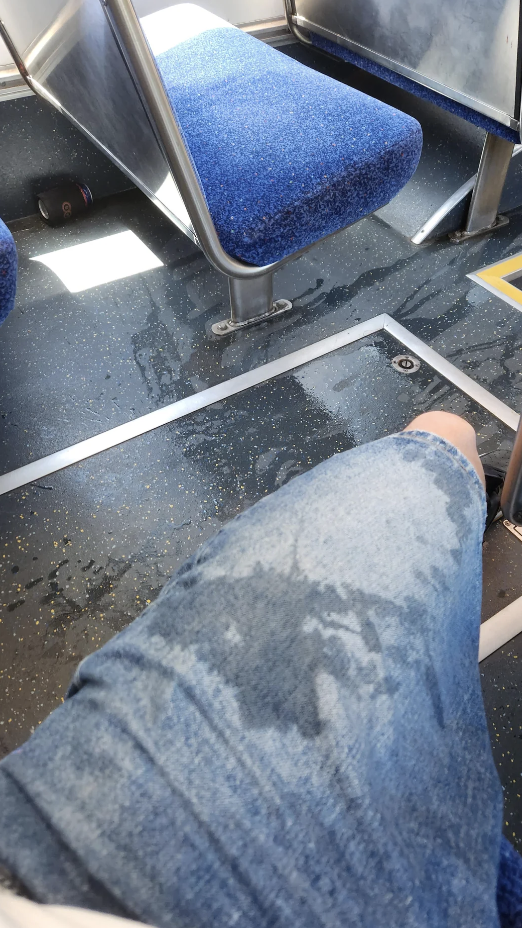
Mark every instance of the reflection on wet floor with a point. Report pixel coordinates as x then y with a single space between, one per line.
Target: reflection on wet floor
75 364
84 550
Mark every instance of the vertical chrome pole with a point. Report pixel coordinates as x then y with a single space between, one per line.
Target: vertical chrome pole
511 502
251 301
485 200
289 13
250 298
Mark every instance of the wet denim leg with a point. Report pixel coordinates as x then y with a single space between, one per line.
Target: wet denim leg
293 733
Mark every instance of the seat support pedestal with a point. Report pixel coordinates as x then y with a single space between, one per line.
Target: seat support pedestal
485 200
251 301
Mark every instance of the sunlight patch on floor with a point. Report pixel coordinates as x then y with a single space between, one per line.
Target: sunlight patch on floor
101 261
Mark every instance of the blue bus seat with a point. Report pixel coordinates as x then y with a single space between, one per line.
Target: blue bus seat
8 269
284 155
405 83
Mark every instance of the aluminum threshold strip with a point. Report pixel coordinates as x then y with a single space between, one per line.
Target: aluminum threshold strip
500 628
15 91
36 470
12 85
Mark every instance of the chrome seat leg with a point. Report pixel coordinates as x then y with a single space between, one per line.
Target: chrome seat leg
485 201
251 301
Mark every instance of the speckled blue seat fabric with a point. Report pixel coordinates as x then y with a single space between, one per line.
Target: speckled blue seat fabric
285 155
379 70
8 268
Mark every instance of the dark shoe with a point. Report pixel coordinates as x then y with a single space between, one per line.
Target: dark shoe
495 477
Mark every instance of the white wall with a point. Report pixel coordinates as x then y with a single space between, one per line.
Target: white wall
235 11
5 57
20 12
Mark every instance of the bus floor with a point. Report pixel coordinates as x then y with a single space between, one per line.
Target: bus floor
86 548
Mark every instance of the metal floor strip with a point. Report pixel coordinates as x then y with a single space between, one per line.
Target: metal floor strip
36 470
500 628
448 370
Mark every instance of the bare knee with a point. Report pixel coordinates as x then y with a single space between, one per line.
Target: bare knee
455 430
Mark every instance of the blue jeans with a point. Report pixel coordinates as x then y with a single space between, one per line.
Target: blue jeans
293 734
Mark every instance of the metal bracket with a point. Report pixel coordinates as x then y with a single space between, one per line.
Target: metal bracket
230 325
487 192
462 236
515 530
406 364
429 230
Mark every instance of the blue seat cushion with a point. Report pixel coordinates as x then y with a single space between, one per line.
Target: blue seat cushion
285 155
8 269
393 77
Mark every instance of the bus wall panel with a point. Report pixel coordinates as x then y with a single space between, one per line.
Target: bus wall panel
39 148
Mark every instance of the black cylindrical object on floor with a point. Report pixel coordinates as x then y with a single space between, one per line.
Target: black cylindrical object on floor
61 204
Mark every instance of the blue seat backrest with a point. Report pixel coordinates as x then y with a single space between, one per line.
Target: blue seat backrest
8 271
393 77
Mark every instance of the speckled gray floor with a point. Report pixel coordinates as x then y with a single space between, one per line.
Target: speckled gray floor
124 348
85 549
39 148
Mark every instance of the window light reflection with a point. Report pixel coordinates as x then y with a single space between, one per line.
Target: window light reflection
101 261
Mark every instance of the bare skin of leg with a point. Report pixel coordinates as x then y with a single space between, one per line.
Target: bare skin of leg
455 430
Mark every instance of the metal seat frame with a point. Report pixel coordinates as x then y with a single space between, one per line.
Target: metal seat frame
487 185
250 287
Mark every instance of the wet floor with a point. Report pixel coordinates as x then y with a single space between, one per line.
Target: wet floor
85 549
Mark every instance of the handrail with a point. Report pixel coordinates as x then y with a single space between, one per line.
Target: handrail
14 54
137 50
289 13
